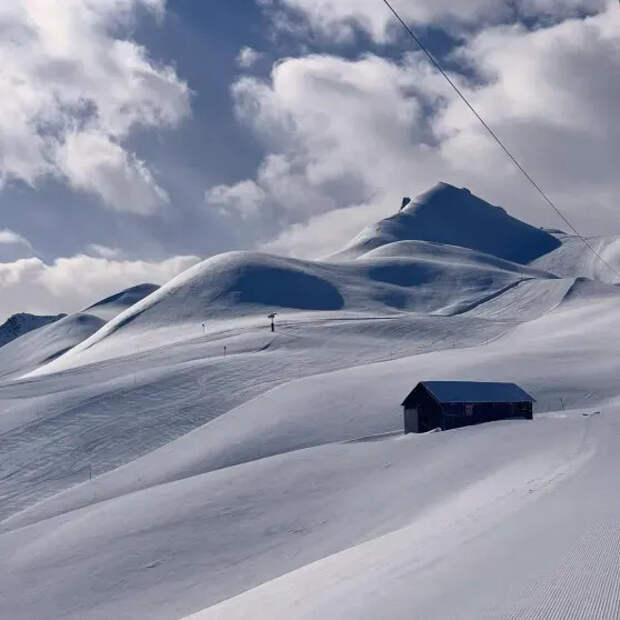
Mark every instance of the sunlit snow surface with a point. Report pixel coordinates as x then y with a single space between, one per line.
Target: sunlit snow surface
240 473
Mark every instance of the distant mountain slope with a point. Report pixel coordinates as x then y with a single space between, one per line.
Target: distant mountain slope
446 214
46 343
111 306
41 344
20 324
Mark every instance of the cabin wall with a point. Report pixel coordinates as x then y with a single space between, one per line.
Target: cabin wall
421 412
456 415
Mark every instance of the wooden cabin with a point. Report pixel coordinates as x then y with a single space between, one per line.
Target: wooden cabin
451 404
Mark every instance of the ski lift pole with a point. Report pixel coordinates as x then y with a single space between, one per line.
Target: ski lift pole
272 317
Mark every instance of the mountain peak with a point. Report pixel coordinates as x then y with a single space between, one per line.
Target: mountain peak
19 324
451 215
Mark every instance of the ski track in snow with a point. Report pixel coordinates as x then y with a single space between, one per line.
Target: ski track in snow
587 582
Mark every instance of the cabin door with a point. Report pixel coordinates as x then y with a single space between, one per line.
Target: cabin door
411 421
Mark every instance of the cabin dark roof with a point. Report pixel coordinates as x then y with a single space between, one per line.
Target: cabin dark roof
476 392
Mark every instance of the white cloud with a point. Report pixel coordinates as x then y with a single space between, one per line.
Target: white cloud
323 234
13 246
8 236
338 19
246 197
248 57
73 89
92 162
69 284
354 136
104 251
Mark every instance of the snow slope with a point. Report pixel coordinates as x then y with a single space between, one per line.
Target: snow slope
109 307
241 473
240 288
205 537
22 323
574 259
449 215
348 404
44 342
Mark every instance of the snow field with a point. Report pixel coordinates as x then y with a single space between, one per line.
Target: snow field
270 480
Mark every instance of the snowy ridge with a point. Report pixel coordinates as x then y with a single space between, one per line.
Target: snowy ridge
109 307
245 286
22 323
448 215
44 343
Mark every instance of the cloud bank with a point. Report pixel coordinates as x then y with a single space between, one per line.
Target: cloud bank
70 284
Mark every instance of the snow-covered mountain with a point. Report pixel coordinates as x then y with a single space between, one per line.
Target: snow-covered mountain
242 473
22 323
447 214
44 343
113 305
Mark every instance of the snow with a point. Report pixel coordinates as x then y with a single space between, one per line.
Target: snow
449 215
483 551
44 341
572 258
241 473
44 344
109 307
19 324
237 290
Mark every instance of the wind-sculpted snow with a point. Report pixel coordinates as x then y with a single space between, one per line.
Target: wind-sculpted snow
447 253
573 258
446 214
240 288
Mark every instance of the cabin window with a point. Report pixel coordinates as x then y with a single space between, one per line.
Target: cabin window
469 410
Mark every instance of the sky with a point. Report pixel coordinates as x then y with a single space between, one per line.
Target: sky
138 137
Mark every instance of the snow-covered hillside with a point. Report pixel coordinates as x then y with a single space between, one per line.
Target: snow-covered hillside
109 307
447 214
22 323
45 342
242 473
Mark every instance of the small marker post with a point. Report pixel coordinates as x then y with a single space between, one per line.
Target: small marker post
272 317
